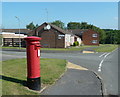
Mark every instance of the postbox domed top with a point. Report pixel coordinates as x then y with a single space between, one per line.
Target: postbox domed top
32 38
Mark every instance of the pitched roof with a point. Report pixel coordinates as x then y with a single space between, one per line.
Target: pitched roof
22 31
54 27
59 29
77 31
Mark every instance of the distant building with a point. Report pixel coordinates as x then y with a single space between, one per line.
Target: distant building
88 36
11 39
16 31
54 37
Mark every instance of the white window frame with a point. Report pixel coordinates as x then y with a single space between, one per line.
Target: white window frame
60 36
94 35
94 41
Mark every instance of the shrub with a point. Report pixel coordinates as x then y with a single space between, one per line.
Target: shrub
76 43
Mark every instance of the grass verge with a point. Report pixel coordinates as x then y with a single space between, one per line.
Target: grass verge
100 48
14 75
58 49
12 47
106 48
79 48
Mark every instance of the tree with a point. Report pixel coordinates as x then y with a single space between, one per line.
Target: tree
112 36
73 25
102 35
118 36
58 23
31 26
84 25
36 25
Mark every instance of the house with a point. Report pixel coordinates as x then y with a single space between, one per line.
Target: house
53 36
88 36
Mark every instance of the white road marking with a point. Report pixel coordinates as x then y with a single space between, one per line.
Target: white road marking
102 55
106 55
100 65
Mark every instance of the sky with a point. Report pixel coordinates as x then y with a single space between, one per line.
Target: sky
100 14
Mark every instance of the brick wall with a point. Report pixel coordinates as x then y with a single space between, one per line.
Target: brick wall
88 38
50 39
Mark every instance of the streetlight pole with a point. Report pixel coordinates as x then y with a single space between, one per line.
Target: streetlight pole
19 32
47 13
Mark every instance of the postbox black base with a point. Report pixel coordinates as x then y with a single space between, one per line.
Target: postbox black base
34 83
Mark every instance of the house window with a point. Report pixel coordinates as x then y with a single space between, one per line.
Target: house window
60 36
94 35
94 41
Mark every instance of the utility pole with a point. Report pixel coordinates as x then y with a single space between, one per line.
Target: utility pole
46 14
19 32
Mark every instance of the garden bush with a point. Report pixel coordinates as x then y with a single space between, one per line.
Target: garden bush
76 43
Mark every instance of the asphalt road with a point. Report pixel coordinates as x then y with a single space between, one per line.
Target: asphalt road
104 64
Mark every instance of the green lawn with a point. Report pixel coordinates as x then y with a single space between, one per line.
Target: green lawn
100 48
12 47
58 49
106 48
14 75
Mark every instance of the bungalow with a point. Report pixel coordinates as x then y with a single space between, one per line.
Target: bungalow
53 36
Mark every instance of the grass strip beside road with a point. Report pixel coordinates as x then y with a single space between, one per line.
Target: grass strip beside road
12 47
106 48
15 75
79 48
100 48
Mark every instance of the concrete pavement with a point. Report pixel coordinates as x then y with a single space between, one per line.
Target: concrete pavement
76 81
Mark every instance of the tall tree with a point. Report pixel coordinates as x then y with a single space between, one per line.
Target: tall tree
58 23
113 36
36 25
84 25
31 26
118 36
73 25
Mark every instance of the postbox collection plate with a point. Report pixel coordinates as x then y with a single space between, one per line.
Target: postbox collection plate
38 52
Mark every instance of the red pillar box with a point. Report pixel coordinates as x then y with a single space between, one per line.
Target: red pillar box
33 63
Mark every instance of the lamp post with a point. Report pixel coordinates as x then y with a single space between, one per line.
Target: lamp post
19 32
47 13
